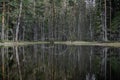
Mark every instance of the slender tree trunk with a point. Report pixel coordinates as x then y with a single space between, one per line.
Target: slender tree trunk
3 21
34 25
8 18
110 19
23 34
90 24
105 25
18 23
53 19
79 20
43 34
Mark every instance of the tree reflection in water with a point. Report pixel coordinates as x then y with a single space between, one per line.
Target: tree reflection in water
59 62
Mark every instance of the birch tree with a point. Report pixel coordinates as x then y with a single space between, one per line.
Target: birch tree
18 22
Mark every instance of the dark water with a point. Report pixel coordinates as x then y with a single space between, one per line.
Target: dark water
59 62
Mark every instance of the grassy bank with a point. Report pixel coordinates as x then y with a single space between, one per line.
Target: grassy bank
84 43
21 43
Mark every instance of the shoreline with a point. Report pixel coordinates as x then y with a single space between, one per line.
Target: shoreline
75 43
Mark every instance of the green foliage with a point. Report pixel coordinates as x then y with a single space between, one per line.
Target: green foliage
116 22
58 3
13 4
71 3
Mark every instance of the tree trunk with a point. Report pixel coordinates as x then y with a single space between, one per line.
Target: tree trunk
34 24
110 19
90 22
105 23
53 19
3 22
7 22
18 23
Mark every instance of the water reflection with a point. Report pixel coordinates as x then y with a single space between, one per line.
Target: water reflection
59 62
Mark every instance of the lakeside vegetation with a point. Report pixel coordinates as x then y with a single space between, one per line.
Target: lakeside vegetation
60 20
72 43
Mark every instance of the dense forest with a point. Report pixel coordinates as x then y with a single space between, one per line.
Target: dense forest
60 20
59 39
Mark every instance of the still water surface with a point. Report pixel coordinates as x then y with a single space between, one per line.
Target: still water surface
59 62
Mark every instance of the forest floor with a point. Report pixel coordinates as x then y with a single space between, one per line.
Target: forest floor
80 43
